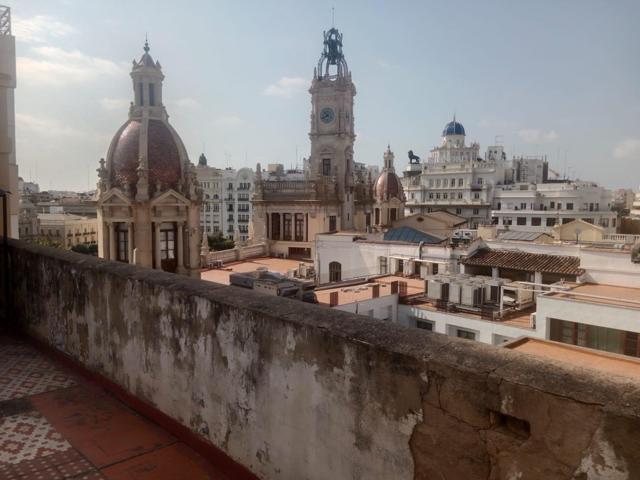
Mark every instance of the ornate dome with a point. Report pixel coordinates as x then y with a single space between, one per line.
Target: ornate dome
453 128
163 155
388 186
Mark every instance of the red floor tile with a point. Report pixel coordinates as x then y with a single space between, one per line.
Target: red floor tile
170 463
99 426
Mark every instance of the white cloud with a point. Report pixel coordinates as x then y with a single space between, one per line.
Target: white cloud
114 104
287 87
228 121
58 67
40 28
532 135
627 149
53 128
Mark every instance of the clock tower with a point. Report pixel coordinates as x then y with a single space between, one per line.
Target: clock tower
332 132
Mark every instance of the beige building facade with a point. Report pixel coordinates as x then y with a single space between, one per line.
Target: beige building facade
66 229
8 166
148 195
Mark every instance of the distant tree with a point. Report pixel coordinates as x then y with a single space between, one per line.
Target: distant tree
218 242
45 242
87 249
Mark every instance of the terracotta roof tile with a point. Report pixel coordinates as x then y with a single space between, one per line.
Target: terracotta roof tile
532 262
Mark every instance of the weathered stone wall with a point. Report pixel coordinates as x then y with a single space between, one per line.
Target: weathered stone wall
296 391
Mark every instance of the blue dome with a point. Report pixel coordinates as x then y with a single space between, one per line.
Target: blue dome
453 128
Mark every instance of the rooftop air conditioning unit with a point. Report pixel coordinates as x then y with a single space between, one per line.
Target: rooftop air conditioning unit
438 290
472 295
455 290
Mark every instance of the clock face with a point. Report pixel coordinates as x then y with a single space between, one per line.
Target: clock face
327 115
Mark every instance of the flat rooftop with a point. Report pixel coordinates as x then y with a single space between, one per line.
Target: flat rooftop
279 265
358 292
601 294
578 356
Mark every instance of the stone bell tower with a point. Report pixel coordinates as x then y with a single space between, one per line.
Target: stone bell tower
332 128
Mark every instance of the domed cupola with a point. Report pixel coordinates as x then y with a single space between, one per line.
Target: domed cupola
453 128
148 196
146 155
388 184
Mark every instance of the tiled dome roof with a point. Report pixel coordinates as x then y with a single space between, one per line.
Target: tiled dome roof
388 186
162 154
453 128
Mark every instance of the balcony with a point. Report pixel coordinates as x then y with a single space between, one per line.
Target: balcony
287 389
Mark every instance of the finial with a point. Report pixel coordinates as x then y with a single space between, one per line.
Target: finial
146 44
333 17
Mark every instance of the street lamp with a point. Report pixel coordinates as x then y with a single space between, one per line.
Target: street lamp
5 254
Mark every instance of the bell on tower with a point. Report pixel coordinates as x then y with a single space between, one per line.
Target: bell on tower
332 56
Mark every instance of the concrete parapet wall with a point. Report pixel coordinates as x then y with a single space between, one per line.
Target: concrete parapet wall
297 391
237 253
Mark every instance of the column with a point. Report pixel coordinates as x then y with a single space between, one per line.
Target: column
180 246
537 277
130 242
268 230
112 241
281 226
157 255
495 272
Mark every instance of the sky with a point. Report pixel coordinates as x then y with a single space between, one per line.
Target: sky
553 77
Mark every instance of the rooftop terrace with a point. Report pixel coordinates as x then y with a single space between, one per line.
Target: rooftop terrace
55 424
285 389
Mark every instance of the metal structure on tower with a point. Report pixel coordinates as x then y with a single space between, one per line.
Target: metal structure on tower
332 55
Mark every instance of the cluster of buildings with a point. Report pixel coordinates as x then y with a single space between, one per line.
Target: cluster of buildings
476 246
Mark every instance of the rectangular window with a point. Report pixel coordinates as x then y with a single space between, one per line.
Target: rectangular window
569 206
536 221
476 211
425 325
523 206
461 333
460 182
507 221
167 244
123 245
458 211
141 92
299 227
152 94
383 266
326 167
459 195
551 222
332 223
521 220
286 235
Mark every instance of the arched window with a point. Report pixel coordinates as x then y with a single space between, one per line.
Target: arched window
335 272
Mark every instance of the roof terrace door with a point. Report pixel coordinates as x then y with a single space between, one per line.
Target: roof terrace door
168 250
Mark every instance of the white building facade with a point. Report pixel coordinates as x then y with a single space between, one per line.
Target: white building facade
455 178
226 207
539 207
